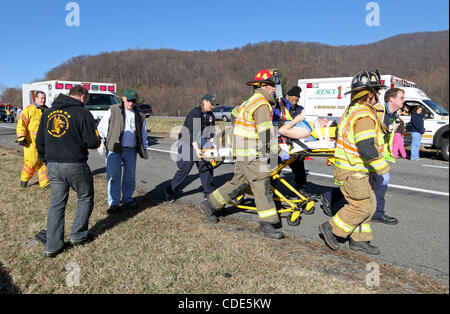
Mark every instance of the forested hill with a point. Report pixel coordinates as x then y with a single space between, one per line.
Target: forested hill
170 79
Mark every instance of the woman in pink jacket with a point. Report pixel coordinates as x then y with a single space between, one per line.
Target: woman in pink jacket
398 139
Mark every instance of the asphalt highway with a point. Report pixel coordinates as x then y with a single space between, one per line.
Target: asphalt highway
418 196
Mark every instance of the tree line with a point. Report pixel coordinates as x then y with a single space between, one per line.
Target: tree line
172 80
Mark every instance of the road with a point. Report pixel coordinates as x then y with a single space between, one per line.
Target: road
418 195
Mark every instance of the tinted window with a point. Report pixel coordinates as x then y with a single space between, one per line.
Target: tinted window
101 101
436 107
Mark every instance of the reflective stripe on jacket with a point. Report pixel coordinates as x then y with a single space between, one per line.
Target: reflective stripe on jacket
251 118
244 124
388 136
346 155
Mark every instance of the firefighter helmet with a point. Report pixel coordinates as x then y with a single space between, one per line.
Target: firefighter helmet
265 77
366 80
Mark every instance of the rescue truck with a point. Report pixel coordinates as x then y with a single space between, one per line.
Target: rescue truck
101 95
326 97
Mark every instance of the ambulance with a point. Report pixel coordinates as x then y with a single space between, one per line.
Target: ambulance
326 97
101 95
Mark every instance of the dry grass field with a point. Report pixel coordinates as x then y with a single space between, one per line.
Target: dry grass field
163 248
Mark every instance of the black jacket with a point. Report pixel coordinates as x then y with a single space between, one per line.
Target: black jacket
190 129
66 132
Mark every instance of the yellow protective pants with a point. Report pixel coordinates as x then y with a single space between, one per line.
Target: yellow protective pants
256 175
33 163
354 218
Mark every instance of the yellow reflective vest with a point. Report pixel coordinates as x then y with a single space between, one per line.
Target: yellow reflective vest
245 131
244 124
346 154
388 137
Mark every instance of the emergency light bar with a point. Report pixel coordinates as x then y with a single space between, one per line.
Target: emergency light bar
88 86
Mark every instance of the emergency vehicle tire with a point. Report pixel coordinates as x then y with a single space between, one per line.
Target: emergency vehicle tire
444 149
294 223
224 119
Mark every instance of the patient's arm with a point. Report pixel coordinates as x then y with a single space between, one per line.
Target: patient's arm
294 133
288 129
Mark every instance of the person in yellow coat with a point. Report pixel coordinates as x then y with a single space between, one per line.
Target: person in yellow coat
358 155
27 127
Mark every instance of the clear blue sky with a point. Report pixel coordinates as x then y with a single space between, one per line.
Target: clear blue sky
35 37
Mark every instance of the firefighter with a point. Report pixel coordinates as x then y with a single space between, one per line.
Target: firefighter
27 127
254 139
359 152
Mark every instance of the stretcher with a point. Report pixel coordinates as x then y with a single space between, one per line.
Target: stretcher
296 203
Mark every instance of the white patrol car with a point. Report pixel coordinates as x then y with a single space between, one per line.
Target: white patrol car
326 97
101 95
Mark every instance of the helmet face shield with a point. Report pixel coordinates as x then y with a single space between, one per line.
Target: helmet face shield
275 78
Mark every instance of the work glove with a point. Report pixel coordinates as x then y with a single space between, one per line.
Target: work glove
22 142
386 178
284 155
145 154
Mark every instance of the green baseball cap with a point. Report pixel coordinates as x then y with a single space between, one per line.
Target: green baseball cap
130 94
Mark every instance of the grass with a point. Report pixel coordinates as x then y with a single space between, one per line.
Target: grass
170 248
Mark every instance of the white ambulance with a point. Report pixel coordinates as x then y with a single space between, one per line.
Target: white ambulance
326 97
101 95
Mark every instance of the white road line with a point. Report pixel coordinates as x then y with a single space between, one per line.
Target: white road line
417 189
409 188
330 176
8 127
162 150
432 166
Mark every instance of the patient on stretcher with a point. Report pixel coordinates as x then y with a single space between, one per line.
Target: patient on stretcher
319 134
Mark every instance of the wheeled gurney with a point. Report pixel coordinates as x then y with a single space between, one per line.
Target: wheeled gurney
296 204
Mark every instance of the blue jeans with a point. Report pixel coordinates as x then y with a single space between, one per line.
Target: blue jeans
416 138
380 193
205 170
64 176
114 162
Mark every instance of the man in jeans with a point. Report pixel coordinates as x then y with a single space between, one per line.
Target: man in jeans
65 134
124 131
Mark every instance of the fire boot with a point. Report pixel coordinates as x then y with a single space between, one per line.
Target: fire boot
268 229
209 211
328 235
364 246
